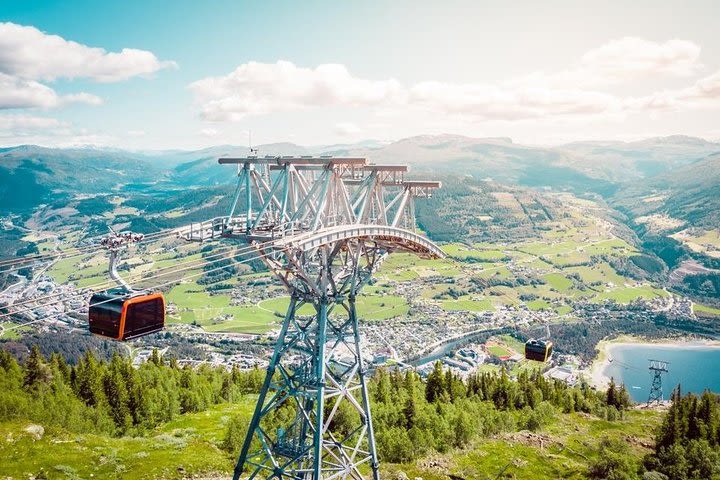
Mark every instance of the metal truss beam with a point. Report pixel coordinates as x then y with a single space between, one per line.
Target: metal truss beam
323 225
317 372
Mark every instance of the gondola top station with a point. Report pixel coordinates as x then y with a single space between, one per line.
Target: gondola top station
322 225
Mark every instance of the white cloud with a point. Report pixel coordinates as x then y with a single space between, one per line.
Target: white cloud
347 129
707 88
631 56
82 97
618 61
258 88
136 133
580 91
39 130
209 132
23 124
703 94
20 93
487 101
28 53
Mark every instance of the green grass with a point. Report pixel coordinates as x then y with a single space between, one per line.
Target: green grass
15 333
197 306
704 310
381 307
499 351
537 304
433 290
280 305
186 446
570 447
63 269
566 259
467 305
508 295
463 252
245 319
545 248
615 246
404 267
628 294
601 272
400 275
192 295
499 272
512 342
558 281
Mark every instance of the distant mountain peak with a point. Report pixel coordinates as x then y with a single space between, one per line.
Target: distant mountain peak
675 140
451 137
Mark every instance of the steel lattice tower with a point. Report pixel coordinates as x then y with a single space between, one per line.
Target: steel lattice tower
658 367
323 226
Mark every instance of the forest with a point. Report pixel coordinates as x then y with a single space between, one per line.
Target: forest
688 441
413 417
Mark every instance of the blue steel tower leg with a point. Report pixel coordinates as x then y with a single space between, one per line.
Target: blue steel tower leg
272 366
365 397
312 420
319 360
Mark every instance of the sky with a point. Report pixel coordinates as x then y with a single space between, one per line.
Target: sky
178 74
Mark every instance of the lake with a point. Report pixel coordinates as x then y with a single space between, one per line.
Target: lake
694 367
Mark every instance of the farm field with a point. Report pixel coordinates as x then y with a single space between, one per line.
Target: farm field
706 242
704 310
467 304
569 262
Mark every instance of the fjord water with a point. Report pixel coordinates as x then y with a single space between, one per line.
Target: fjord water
694 367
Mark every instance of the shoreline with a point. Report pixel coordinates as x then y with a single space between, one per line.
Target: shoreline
596 372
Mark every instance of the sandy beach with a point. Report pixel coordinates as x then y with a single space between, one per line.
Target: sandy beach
596 372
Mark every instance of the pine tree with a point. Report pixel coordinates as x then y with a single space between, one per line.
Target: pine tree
382 391
36 371
410 412
611 394
434 385
88 380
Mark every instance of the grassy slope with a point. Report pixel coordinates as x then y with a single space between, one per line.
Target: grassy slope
189 445
569 447
186 445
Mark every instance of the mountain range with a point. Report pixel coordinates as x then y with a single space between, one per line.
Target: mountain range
681 171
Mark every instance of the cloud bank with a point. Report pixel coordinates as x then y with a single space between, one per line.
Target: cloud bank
582 89
29 57
28 53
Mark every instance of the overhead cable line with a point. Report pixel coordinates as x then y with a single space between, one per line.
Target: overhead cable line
79 310
173 269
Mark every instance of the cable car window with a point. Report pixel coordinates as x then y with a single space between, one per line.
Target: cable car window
144 317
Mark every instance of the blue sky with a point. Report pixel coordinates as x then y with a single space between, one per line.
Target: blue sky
204 73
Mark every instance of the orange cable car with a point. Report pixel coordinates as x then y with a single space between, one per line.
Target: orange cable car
122 316
123 313
539 349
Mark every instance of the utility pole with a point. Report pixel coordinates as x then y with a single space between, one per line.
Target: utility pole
658 367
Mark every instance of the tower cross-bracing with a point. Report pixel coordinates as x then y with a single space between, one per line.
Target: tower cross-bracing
322 225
